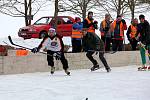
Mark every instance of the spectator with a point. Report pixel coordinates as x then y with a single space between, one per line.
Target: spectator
117 32
77 35
131 33
105 32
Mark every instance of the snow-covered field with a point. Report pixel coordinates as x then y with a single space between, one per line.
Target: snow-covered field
123 83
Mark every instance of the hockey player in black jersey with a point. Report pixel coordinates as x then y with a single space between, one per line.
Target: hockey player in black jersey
54 46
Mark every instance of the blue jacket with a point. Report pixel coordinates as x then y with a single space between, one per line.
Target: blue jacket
78 26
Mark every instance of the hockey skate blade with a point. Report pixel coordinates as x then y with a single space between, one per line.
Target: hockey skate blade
94 69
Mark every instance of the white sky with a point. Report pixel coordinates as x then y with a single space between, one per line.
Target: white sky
123 83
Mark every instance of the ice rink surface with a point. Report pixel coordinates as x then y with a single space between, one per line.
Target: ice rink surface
123 83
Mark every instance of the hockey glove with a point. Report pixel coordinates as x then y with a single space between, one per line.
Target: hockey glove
58 55
35 50
142 44
137 38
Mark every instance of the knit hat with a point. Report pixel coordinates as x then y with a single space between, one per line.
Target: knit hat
77 19
141 16
90 12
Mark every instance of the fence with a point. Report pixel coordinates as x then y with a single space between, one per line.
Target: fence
13 64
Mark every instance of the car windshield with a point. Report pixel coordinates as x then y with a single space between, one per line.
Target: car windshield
44 20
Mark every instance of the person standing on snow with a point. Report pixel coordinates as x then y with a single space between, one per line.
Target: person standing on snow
105 32
131 33
77 35
53 44
117 31
144 30
92 43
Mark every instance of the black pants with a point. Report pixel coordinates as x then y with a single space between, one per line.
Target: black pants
103 38
107 42
133 43
76 45
50 59
117 45
101 57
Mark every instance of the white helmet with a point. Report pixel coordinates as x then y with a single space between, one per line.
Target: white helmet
51 31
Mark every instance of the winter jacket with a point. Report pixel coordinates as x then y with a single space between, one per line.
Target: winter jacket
76 30
92 42
117 29
144 30
77 26
131 32
90 24
54 43
104 28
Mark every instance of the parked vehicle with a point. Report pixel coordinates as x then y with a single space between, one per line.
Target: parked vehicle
3 50
40 28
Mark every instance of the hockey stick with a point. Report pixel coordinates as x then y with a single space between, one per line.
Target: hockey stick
109 52
143 46
10 40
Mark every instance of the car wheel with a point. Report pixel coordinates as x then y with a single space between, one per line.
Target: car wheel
42 35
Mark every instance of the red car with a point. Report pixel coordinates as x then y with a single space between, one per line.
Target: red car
40 28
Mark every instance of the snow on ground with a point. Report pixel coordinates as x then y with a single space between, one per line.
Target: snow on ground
123 83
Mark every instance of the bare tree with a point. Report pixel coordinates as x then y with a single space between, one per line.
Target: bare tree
22 8
109 6
136 6
78 7
123 7
56 13
144 1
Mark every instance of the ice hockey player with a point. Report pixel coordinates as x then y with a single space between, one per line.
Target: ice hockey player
53 45
92 43
144 30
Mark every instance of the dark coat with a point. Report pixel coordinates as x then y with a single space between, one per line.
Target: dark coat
92 42
144 30
87 25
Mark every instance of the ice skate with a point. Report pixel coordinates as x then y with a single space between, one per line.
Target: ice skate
67 72
143 68
149 68
95 67
108 70
52 70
